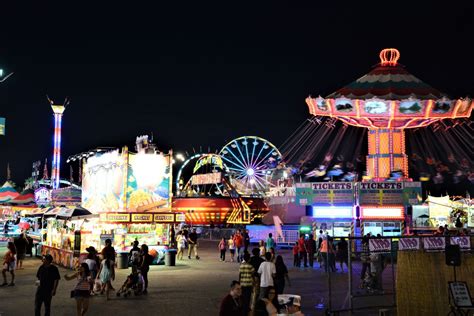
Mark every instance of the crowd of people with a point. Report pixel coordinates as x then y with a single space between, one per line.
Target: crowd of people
262 277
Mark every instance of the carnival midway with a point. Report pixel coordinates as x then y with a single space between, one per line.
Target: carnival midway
397 215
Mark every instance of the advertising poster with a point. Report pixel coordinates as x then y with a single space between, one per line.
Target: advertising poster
103 183
148 183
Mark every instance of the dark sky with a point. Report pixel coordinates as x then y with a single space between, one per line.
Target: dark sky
202 75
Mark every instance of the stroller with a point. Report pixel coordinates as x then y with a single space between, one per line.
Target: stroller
133 284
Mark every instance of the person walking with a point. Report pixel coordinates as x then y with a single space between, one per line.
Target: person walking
134 254
267 271
222 248
296 256
231 304
93 269
331 254
145 261
341 253
310 244
302 251
9 264
81 291
231 248
270 243
365 258
268 304
108 252
47 281
181 241
246 279
21 244
281 275
106 275
239 242
246 237
193 244
261 247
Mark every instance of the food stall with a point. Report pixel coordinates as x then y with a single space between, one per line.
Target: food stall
331 206
69 231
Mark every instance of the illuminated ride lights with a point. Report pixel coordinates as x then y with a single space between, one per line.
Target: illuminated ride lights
252 161
58 110
387 101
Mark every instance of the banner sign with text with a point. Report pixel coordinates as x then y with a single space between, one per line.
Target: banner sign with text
325 193
380 245
464 242
389 193
409 244
434 243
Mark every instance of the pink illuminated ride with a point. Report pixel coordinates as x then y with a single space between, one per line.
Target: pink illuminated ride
387 101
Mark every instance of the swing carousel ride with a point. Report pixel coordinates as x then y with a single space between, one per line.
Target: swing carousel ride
385 102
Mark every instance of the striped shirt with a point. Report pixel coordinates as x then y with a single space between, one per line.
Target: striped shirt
246 272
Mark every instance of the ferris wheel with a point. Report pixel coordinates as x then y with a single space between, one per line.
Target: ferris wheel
251 161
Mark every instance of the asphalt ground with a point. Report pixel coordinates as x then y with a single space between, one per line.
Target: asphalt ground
192 287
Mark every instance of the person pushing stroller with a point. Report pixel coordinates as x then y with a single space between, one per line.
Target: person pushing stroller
133 284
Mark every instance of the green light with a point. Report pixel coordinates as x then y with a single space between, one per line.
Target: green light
305 228
1 72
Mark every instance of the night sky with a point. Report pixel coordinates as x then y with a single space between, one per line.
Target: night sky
202 75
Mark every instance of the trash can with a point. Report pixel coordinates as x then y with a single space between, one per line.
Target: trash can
170 257
122 260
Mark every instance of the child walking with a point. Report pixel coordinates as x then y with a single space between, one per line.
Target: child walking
231 248
222 248
296 257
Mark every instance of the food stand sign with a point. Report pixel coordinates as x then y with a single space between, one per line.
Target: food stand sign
380 245
164 218
180 218
409 244
142 218
325 193
115 217
434 243
470 216
77 243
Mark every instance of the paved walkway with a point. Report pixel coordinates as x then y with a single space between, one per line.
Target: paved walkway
192 287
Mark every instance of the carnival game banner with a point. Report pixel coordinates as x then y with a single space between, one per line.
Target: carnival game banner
325 193
103 180
389 193
148 184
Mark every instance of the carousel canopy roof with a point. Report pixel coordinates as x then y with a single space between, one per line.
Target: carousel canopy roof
388 81
7 192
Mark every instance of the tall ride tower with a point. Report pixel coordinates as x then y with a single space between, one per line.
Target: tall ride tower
58 110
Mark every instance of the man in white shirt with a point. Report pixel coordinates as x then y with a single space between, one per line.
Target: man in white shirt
267 272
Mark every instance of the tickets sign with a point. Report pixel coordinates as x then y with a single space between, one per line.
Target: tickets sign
434 243
325 193
380 245
409 244
464 242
